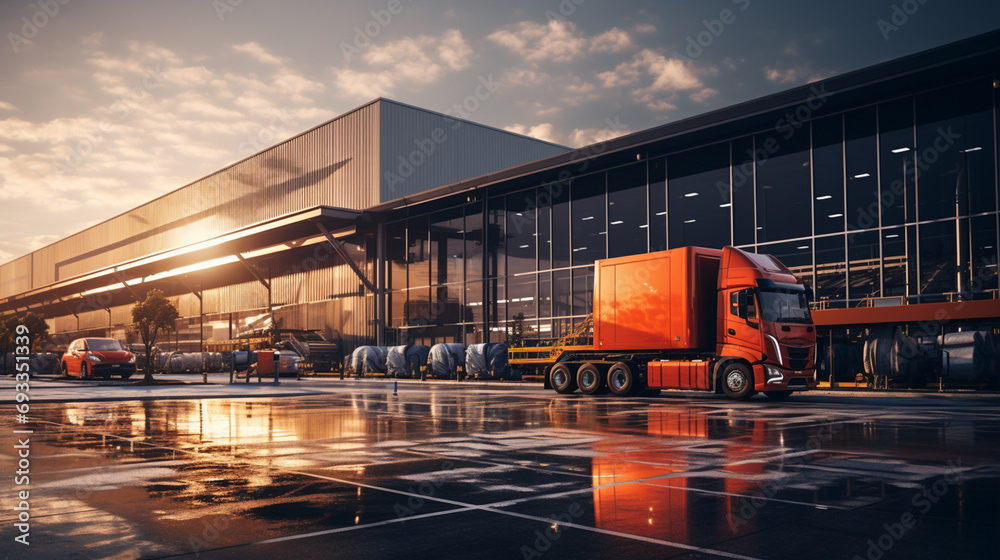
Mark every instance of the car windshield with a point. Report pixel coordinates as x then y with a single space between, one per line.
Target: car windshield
785 306
99 345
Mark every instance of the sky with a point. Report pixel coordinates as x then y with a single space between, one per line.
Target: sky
107 104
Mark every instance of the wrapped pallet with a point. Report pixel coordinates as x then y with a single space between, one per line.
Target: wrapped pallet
369 359
488 361
405 361
444 360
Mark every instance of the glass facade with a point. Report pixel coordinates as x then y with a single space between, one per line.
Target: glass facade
888 203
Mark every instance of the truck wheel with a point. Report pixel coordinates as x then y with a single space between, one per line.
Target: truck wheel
778 395
589 379
737 381
561 379
621 379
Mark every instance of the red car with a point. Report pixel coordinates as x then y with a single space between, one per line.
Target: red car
89 357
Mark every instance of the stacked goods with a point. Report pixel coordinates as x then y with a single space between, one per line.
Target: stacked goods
445 359
405 361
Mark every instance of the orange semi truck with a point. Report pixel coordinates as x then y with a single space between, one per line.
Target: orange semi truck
689 318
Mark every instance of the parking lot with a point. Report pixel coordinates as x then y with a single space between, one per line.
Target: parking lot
330 468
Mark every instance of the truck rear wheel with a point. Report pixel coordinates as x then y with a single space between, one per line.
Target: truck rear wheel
562 379
737 381
621 379
589 379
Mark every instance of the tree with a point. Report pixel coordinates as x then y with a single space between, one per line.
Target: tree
153 316
38 333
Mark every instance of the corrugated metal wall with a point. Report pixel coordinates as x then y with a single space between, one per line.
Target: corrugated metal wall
335 164
423 150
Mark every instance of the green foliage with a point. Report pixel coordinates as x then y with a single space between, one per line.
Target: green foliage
153 316
38 331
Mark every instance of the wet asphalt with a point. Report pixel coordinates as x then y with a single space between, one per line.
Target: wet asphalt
485 471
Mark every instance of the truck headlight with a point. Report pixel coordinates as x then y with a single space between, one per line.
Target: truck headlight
774 374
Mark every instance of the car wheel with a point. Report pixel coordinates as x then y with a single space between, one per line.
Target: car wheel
64 369
737 381
562 379
84 374
126 376
589 379
621 379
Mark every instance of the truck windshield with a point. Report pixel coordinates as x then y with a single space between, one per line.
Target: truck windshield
784 306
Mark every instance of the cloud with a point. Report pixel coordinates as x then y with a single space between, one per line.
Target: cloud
644 28
408 61
155 122
7 106
257 52
543 131
796 74
557 41
657 80
576 138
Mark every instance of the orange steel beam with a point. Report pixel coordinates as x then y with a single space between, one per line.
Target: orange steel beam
916 313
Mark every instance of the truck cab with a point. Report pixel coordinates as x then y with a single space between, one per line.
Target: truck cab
764 325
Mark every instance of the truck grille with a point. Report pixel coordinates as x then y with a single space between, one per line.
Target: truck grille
798 357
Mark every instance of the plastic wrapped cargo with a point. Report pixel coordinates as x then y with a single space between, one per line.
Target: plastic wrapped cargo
488 361
45 363
369 359
405 361
443 360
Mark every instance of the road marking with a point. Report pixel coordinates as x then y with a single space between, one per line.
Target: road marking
356 527
492 509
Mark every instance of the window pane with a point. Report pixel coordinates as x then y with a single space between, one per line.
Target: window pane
657 204
783 186
560 223
418 256
395 253
895 125
742 186
828 174
698 213
831 271
545 294
521 296
626 210
473 302
862 169
894 262
562 293
589 226
447 246
937 259
864 266
474 242
543 214
984 253
521 232
496 238
583 290
955 150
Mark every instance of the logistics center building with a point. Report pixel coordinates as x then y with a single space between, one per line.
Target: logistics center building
393 225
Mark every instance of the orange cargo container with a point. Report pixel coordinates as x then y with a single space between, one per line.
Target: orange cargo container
659 301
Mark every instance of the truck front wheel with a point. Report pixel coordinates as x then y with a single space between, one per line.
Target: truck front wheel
737 381
561 378
621 379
